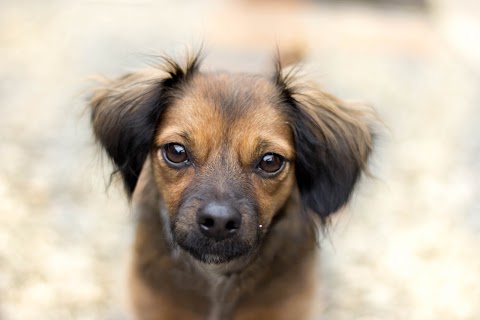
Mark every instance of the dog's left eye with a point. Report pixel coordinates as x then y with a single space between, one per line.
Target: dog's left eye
271 163
175 154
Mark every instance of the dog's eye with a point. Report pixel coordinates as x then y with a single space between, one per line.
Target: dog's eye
175 153
271 163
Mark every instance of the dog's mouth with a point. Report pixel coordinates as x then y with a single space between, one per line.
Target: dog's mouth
214 252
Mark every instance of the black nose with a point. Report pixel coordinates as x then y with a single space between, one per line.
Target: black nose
218 220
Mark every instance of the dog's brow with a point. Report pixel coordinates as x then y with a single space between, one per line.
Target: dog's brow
278 146
173 134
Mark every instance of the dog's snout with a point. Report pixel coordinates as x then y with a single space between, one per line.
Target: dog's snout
218 221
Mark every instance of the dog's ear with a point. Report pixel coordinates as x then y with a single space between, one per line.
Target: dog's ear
126 110
333 140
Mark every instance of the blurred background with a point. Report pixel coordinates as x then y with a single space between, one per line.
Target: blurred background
407 247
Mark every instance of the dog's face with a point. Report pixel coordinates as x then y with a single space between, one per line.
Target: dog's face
222 160
227 151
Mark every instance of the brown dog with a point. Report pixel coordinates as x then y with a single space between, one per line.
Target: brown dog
225 171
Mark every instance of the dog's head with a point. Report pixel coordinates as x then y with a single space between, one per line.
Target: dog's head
229 150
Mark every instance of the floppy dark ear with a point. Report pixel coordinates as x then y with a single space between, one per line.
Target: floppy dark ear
125 112
333 140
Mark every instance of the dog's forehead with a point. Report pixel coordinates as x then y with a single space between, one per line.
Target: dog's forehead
243 110
233 96
227 101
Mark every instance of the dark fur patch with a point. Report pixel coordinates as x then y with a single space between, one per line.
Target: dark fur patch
332 144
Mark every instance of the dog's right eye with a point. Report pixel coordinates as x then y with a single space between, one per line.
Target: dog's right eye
175 154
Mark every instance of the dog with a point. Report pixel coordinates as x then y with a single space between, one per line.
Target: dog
229 175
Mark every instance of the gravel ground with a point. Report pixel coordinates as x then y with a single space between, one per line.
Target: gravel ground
407 247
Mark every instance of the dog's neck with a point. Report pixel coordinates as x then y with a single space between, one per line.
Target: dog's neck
223 290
